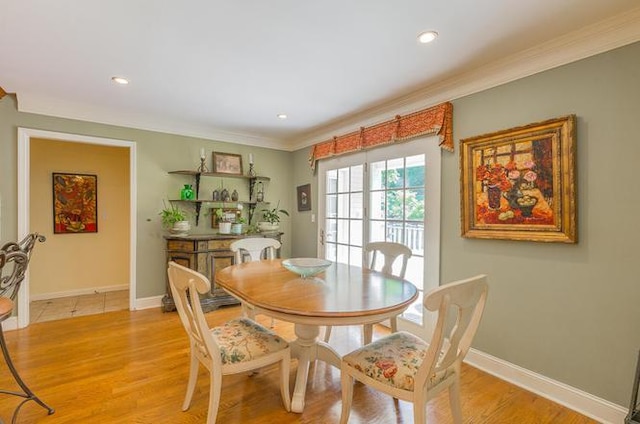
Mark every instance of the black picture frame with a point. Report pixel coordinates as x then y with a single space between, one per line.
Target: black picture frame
304 197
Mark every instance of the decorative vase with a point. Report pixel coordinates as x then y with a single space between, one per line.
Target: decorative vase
265 226
236 228
234 196
224 195
224 227
216 196
187 192
493 196
180 228
512 197
260 192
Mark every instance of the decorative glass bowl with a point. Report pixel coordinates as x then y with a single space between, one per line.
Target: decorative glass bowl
306 267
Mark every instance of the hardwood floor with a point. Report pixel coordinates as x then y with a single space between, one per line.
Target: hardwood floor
132 367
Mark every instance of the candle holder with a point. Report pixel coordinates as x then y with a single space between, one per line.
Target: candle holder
252 172
203 167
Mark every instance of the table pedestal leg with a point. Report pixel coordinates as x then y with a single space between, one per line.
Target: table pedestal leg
307 348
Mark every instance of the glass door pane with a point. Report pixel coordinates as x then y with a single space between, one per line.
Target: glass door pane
344 215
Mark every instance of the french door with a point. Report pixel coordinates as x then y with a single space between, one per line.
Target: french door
385 194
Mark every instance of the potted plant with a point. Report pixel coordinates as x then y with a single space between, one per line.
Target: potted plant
236 226
271 218
224 225
175 220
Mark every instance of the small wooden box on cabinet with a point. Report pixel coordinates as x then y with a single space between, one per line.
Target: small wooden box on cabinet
205 253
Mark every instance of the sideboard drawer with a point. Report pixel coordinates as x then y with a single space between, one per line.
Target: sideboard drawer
181 245
221 244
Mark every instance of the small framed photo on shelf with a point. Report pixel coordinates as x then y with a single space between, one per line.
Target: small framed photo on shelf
227 163
304 197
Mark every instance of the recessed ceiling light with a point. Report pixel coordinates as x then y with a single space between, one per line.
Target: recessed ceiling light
427 37
120 80
282 116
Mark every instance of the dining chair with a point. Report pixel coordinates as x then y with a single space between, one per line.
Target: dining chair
254 248
14 260
236 346
388 251
412 369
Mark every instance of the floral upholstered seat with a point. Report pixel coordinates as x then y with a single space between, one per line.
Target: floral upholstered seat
243 340
393 360
407 367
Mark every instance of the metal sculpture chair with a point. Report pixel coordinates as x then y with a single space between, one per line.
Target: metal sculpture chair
14 260
407 367
389 251
255 248
236 346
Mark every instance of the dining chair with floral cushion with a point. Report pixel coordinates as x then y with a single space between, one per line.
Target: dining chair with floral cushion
236 346
412 369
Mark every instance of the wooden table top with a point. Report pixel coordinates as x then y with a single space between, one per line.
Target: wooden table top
340 291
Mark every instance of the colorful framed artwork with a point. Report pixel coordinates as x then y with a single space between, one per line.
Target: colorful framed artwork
304 197
75 203
227 163
519 184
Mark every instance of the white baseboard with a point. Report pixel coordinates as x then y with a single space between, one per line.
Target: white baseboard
149 302
580 401
78 292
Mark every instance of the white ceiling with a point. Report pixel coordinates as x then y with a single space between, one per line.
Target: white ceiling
224 69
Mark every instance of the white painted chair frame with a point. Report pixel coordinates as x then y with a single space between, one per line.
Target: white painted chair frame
390 251
255 247
186 283
444 354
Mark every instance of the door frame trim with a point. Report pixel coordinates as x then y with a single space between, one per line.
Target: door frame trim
24 143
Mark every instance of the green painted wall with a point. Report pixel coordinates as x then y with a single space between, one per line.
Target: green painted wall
569 312
157 153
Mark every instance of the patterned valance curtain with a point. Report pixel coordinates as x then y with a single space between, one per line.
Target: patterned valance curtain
434 120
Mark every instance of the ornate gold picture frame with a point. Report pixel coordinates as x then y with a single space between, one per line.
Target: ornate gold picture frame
519 184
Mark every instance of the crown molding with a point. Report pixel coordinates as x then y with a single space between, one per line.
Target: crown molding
603 36
33 103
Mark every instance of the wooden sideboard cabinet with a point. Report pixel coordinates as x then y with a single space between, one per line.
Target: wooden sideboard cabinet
205 253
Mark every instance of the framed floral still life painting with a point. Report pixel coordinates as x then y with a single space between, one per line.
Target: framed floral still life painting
75 203
519 184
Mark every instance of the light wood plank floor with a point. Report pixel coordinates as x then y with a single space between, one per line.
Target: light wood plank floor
132 367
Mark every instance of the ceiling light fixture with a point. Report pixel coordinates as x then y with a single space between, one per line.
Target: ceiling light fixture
120 80
282 116
427 37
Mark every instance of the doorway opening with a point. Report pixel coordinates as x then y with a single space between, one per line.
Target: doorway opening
25 139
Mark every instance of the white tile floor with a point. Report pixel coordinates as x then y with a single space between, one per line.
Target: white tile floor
74 306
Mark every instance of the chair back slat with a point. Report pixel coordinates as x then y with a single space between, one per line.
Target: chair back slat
187 284
463 303
390 251
255 248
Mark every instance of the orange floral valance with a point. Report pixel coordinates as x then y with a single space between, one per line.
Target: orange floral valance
434 120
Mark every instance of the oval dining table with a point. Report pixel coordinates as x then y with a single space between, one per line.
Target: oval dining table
341 295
